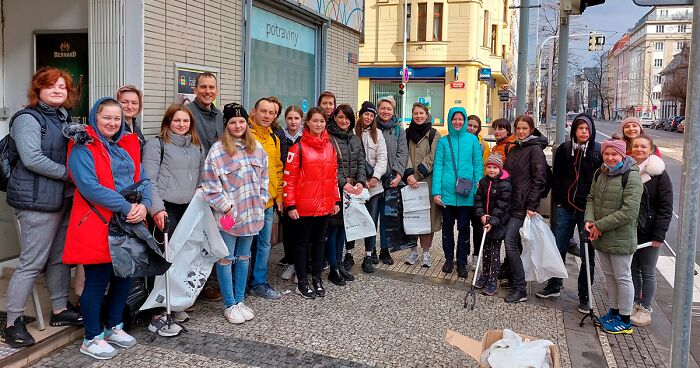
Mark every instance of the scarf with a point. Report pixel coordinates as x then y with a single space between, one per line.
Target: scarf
387 125
416 132
643 170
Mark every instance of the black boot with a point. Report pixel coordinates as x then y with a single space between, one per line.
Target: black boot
367 264
385 257
346 275
375 259
317 285
17 336
305 290
348 261
335 277
462 271
448 267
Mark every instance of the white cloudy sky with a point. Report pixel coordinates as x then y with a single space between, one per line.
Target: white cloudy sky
611 19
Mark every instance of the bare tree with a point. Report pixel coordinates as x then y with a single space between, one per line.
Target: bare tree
596 75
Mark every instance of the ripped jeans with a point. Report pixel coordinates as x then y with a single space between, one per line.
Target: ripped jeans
233 275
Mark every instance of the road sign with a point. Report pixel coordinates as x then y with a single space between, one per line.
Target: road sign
457 84
638 108
662 2
304 106
409 73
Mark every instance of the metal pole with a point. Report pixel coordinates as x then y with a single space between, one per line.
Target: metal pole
562 75
550 85
521 106
690 181
539 66
404 69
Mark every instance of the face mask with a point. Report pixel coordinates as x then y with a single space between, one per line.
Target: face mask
616 167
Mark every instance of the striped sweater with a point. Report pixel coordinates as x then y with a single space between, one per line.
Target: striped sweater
238 182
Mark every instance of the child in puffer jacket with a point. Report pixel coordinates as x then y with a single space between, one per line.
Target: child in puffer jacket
492 206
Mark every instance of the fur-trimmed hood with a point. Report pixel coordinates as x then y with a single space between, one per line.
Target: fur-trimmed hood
652 166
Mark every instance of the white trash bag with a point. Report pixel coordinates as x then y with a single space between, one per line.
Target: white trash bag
541 257
357 220
196 245
512 352
415 199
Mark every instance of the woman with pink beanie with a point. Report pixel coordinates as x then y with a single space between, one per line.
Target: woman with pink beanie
631 128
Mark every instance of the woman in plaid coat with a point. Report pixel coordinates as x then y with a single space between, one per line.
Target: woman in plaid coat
234 181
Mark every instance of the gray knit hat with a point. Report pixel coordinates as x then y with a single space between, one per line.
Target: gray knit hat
496 160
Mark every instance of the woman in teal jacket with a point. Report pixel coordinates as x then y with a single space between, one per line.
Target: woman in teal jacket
458 155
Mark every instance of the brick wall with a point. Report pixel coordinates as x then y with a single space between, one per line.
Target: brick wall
175 32
341 76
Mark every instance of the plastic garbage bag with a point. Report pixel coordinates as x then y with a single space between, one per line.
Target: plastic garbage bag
415 199
393 218
356 219
196 245
512 352
541 257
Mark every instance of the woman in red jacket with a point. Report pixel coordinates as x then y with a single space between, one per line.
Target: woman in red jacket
311 196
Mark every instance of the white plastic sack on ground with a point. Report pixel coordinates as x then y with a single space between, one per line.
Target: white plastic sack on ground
541 257
417 222
358 222
193 250
415 199
512 352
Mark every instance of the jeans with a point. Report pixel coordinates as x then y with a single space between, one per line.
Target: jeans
566 220
460 214
513 253
97 277
310 234
262 249
373 209
644 275
618 278
335 240
233 286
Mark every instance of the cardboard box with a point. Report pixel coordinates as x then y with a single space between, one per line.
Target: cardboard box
474 348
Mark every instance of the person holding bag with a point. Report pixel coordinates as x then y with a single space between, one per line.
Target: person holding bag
457 168
612 208
376 164
102 167
311 196
235 183
422 144
351 179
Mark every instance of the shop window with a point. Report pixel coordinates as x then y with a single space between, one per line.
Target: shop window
422 21
494 34
430 93
485 40
437 22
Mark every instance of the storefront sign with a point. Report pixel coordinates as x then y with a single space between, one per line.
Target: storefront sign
272 28
67 51
457 84
185 78
484 73
504 96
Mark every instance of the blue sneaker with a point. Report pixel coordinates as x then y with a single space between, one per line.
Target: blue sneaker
606 318
616 326
266 291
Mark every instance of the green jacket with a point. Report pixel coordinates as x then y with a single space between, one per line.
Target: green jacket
614 209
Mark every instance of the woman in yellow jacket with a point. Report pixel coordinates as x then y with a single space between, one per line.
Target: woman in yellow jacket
474 127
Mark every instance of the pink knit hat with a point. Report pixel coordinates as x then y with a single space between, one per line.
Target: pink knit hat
616 144
630 120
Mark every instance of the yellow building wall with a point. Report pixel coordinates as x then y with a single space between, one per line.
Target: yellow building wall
363 89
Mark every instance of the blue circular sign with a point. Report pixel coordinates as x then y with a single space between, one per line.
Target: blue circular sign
304 106
421 100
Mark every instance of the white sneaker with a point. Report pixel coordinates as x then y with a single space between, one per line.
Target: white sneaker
426 259
412 258
98 348
246 312
180 317
233 315
642 317
288 273
117 336
160 325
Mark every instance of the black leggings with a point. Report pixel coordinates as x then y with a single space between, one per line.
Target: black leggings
310 234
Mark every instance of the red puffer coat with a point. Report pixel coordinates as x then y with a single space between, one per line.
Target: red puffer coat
311 184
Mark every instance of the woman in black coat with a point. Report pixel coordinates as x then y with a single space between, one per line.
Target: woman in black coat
527 167
655 213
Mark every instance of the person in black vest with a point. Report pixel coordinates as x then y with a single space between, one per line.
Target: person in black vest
575 163
40 194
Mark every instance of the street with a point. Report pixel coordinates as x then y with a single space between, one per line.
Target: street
671 146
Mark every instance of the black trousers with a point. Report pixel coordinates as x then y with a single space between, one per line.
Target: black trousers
288 237
310 235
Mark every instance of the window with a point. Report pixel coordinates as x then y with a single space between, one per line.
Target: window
660 29
658 46
494 34
679 45
408 23
485 41
656 96
682 28
505 11
657 79
663 13
437 22
658 62
422 20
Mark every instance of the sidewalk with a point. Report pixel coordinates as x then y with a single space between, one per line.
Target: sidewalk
395 317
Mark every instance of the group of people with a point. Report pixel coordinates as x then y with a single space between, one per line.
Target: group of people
69 184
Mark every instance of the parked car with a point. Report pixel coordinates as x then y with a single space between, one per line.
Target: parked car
674 124
681 127
646 121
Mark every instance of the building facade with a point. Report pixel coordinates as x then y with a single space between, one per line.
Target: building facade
642 54
458 53
293 50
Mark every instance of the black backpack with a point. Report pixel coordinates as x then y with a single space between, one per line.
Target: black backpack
8 149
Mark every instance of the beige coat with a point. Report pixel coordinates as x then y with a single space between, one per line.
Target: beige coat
420 165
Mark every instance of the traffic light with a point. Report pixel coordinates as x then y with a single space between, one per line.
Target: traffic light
592 42
587 3
401 88
576 7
